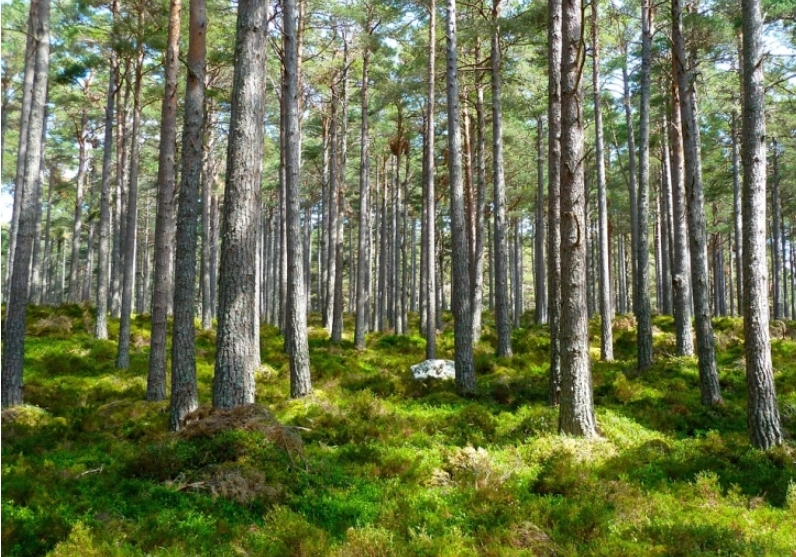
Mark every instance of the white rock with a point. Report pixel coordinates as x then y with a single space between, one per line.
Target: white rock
437 369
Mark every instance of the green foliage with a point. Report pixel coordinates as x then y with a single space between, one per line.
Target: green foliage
375 463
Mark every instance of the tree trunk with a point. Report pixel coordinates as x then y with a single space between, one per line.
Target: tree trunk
667 243
337 305
208 177
164 219
577 409
502 314
28 82
554 194
540 288
708 374
233 383
763 419
681 263
84 159
16 309
477 276
429 201
631 183
184 397
737 218
131 215
462 311
606 308
296 313
643 309
776 233
363 243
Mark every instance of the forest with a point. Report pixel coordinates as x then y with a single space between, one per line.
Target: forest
235 235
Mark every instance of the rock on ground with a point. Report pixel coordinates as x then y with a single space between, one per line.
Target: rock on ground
437 369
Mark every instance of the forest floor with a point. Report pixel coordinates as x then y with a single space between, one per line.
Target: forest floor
374 463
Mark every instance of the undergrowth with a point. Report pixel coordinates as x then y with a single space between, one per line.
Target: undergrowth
374 463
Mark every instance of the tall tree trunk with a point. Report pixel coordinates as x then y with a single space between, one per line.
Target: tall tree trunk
333 210
16 309
131 214
737 211
631 183
681 263
364 238
84 160
502 314
643 309
184 397
462 311
519 303
667 244
28 82
296 314
103 252
208 178
122 144
233 383
477 277
706 346
776 214
337 304
540 288
164 219
606 308
763 419
554 194
429 285
576 415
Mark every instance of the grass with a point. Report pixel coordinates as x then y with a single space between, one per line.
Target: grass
374 463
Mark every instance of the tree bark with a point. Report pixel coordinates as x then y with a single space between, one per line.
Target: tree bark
643 309
681 263
131 215
502 314
576 415
554 49
184 396
776 233
763 418
706 346
16 309
164 219
606 308
539 280
84 160
462 311
233 383
632 185
429 200
296 314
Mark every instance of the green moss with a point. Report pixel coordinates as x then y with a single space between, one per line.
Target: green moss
389 465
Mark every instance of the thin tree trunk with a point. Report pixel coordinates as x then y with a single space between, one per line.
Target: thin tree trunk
77 222
462 311
667 244
296 314
631 183
16 309
576 415
681 266
502 323
429 285
184 395
708 374
337 309
554 54
233 383
208 177
643 309
776 214
131 214
164 219
763 419
606 308
540 288
28 82
477 278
